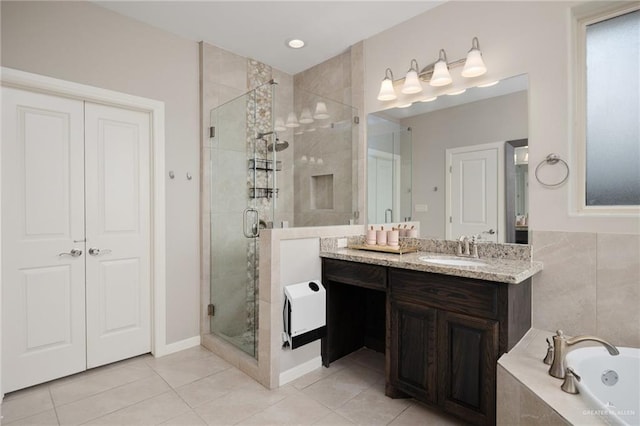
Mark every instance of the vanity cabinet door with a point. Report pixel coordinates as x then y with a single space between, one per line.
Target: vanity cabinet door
467 357
413 350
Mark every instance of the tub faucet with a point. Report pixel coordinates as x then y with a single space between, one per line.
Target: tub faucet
561 345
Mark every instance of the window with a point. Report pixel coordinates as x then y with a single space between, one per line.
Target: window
608 101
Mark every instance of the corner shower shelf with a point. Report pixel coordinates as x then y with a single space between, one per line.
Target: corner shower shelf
267 165
263 192
256 165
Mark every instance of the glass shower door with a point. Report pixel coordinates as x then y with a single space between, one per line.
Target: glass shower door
234 224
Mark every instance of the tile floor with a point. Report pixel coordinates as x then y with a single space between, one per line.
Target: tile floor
196 387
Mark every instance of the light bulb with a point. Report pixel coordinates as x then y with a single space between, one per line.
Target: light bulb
474 65
411 82
387 93
279 125
305 116
441 76
321 112
292 120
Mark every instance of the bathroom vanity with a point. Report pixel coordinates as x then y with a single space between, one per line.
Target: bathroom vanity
442 328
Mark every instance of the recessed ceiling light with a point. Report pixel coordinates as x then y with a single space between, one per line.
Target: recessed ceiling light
295 43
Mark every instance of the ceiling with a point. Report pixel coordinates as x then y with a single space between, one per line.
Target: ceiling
259 29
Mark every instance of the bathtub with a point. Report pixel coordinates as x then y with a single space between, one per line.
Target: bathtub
609 384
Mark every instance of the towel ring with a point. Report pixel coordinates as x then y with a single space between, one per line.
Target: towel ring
552 159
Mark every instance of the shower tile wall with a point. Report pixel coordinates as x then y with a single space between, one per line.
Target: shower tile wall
590 284
283 105
331 79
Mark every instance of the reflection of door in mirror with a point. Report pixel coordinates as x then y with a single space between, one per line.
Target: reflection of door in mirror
473 188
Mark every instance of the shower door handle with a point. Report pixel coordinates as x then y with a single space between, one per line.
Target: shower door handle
254 231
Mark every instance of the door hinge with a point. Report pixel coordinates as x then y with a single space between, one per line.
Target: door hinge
356 120
450 219
212 132
450 169
211 310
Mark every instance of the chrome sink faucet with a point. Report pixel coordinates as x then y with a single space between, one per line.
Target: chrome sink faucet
561 346
465 249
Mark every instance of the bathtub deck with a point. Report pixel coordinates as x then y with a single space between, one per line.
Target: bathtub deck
524 363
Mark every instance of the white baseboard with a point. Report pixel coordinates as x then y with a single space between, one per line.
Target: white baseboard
177 346
300 370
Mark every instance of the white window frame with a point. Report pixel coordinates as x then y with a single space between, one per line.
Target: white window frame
584 16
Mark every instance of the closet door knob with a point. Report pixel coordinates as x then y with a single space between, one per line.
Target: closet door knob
72 253
97 252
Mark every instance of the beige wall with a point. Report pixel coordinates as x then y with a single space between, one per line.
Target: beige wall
586 286
497 119
84 43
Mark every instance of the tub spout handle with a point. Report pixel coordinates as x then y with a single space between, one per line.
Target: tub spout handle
571 379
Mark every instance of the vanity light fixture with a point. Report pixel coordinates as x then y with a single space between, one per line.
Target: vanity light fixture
411 82
474 65
437 73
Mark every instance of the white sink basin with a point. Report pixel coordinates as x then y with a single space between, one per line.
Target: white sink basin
451 261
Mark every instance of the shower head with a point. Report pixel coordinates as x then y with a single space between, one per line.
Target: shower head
280 145
260 135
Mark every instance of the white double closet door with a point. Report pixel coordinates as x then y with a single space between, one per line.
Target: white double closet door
75 236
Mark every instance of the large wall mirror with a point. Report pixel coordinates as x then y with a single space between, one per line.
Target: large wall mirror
458 164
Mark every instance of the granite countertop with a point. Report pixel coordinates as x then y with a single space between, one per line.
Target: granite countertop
510 271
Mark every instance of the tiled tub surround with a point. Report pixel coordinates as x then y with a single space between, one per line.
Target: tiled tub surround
590 285
506 263
527 394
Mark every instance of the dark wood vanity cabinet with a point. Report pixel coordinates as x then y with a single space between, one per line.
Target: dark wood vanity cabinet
413 351
467 359
444 334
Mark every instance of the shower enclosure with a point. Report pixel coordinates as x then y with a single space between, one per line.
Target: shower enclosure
272 164
242 186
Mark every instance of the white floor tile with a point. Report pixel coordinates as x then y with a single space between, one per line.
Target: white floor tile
112 400
46 418
152 411
19 406
195 387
